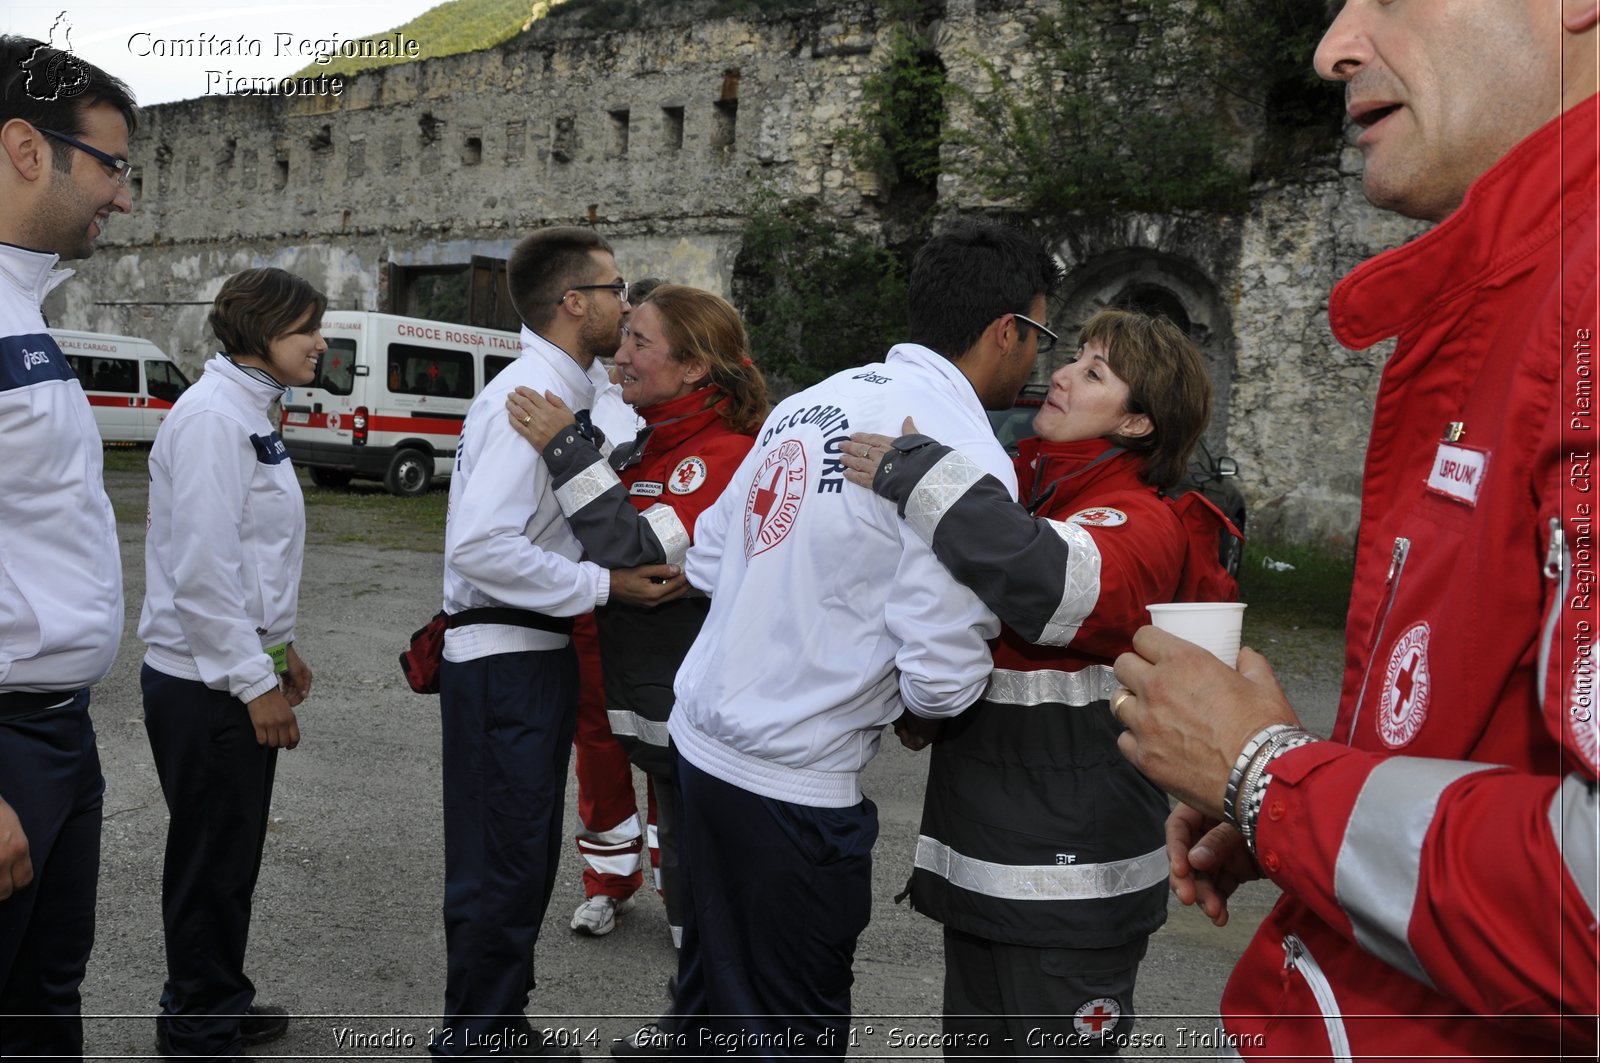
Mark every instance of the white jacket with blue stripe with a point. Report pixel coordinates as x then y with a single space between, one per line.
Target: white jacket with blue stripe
60 565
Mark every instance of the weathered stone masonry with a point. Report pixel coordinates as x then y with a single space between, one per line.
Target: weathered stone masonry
656 136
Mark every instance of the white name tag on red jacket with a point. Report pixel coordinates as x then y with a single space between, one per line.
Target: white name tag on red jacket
1458 472
648 488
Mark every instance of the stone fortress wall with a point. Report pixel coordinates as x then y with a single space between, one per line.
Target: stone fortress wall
656 136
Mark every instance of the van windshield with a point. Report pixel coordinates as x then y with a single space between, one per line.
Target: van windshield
336 372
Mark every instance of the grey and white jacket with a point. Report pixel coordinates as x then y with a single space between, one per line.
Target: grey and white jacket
226 536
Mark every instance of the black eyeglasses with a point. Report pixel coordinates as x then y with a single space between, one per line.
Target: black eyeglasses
620 287
121 169
1047 339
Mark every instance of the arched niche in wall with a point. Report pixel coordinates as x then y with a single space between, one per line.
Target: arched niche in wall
1155 283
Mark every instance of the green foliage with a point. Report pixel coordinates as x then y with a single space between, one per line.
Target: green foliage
607 16
902 114
1118 106
1315 593
1262 50
816 297
451 28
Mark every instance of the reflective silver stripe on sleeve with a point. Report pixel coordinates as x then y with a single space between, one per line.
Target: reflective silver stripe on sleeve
1094 683
1080 586
632 725
1575 819
1379 865
585 487
1042 882
674 537
939 489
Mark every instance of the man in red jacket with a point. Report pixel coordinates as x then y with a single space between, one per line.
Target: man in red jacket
1438 855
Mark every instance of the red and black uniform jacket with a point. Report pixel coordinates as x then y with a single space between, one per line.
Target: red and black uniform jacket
1036 830
640 509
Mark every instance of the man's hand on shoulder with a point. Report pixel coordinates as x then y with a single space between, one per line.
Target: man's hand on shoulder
16 867
648 585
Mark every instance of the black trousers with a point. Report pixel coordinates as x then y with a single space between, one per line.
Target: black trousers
50 776
217 780
1016 1000
775 896
508 721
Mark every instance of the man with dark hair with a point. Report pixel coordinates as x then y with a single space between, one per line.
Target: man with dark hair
829 619
1438 856
508 685
64 128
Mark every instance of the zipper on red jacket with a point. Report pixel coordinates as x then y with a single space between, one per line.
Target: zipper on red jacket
1298 959
1556 570
1397 564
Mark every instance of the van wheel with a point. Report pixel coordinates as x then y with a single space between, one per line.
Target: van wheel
410 474
330 477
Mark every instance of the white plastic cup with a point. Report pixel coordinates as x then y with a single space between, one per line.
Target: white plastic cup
1213 625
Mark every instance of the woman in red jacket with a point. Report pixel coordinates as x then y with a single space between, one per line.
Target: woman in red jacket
686 369
1041 849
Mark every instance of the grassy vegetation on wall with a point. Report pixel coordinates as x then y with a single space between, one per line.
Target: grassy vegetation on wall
816 296
451 28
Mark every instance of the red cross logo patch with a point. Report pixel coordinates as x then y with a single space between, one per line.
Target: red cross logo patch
687 477
1404 704
1098 1017
774 501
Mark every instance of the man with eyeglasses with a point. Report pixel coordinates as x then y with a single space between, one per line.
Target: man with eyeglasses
829 620
64 128
513 581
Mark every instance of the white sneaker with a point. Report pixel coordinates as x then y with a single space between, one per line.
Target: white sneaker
597 916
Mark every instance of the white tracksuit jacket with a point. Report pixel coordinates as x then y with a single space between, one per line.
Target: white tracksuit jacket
60 566
506 542
829 615
227 531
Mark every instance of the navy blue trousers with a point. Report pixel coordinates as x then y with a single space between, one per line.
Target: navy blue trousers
775 896
217 780
50 775
507 723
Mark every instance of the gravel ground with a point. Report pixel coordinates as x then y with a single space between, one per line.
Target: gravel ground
347 932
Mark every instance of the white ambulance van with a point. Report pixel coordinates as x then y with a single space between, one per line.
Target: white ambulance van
389 398
130 382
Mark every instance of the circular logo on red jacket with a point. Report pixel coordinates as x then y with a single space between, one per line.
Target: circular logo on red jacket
773 505
687 477
1404 705
1099 517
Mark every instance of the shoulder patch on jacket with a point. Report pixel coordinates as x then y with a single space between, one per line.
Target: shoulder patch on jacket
1099 517
688 477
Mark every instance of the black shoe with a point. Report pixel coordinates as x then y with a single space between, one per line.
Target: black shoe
263 1023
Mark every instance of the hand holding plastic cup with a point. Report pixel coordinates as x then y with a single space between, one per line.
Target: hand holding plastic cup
1212 625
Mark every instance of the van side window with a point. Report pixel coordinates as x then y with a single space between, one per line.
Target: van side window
492 364
336 372
432 371
106 374
166 382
